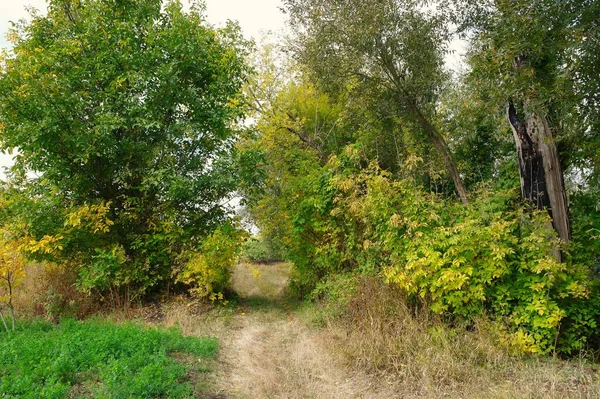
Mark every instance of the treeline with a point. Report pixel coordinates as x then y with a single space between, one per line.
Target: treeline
477 194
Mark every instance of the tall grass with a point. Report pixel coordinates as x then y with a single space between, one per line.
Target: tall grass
381 333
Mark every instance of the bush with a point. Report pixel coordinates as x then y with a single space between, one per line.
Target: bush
208 270
492 257
384 332
50 291
260 250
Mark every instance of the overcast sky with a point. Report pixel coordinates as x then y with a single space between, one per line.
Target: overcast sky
254 16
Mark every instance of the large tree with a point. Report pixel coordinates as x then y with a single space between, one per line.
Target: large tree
536 57
394 47
124 109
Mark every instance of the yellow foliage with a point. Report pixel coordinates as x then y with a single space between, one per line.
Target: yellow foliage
12 267
12 36
208 270
256 274
93 217
46 245
198 269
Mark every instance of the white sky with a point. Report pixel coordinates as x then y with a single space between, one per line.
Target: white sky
254 16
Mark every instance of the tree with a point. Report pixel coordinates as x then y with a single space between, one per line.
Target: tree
543 75
12 272
130 107
390 44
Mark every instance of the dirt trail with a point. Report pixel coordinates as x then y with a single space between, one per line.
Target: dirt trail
270 352
269 349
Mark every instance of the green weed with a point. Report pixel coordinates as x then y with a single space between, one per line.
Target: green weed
97 359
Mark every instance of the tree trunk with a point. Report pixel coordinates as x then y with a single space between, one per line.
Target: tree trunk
3 320
442 147
559 208
532 173
540 171
544 185
433 134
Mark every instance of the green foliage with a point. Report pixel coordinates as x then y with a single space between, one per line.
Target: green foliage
97 359
556 42
208 270
259 249
585 210
482 142
492 256
127 112
384 62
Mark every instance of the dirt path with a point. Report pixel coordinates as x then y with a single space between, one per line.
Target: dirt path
270 352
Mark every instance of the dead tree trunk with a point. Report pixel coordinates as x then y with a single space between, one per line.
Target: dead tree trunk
555 185
540 172
542 180
533 181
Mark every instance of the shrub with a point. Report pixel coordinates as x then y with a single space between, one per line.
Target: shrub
384 332
260 250
208 270
491 257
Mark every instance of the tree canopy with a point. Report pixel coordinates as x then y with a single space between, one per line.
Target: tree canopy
369 136
124 111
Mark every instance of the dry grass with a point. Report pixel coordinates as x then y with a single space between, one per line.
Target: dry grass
270 347
260 280
422 358
380 349
49 291
267 351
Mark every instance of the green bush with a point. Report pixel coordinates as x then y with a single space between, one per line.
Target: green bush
492 257
260 250
96 359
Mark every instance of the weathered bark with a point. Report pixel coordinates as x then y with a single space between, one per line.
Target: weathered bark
541 175
542 180
533 182
555 184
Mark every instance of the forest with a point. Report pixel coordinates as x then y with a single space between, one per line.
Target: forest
152 151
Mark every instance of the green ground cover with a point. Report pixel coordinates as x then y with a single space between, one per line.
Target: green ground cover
100 359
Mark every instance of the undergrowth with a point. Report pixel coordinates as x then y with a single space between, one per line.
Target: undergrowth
99 359
379 330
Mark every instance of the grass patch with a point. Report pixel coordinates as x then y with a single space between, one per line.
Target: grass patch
99 359
260 280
